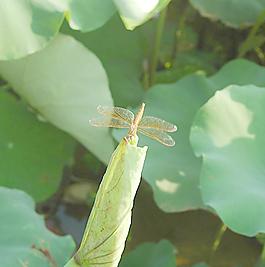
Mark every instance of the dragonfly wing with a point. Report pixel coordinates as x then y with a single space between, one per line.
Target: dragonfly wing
159 136
109 122
117 113
149 122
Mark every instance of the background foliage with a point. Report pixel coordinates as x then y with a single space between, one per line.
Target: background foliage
60 59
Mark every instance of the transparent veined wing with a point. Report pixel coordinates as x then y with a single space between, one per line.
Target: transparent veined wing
117 113
109 122
159 136
148 122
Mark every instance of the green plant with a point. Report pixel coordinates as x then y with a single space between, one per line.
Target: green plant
59 60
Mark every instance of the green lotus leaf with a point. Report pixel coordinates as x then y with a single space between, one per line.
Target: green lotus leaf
108 225
25 241
86 15
168 169
151 255
136 12
228 133
121 54
38 22
32 153
173 173
236 13
65 82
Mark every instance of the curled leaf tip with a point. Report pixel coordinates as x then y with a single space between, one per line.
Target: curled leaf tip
109 222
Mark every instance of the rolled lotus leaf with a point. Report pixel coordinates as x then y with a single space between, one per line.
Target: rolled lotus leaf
109 222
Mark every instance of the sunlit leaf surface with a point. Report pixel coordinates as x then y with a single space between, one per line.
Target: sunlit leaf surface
229 133
133 13
65 82
86 15
27 26
136 12
38 23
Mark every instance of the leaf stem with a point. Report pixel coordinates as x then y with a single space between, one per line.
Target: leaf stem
181 26
261 260
158 36
244 47
262 256
217 240
260 55
146 75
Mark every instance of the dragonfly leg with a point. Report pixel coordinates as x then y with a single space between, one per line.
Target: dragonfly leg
127 140
130 139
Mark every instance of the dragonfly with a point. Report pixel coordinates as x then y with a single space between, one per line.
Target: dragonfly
152 127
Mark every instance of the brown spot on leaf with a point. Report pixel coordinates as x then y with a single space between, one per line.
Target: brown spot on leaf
46 254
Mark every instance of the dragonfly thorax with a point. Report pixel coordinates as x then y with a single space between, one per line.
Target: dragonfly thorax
132 130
